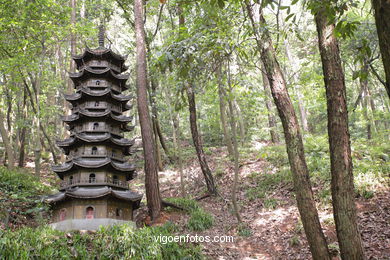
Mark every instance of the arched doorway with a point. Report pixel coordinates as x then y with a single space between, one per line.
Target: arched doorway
89 213
92 178
62 214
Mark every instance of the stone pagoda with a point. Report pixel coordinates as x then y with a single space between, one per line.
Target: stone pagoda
94 178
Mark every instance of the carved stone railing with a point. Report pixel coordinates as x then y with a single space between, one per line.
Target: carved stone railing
93 182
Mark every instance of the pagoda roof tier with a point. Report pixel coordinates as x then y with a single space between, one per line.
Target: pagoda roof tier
95 139
96 192
122 167
99 53
84 92
107 73
86 114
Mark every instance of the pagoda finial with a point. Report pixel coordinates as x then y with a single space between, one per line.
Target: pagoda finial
101 36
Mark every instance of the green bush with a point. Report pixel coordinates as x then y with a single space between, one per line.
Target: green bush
117 242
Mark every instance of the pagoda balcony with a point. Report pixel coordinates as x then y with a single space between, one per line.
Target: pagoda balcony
97 155
97 109
103 129
94 182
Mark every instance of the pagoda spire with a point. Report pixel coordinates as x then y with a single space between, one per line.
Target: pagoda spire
101 36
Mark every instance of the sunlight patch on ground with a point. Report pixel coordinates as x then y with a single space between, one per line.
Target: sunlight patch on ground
274 216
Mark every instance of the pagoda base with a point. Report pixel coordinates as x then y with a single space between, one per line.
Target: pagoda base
88 224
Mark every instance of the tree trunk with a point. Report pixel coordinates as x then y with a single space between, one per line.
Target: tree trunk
344 209
294 144
72 64
241 123
302 109
6 141
382 14
198 143
236 154
176 140
222 109
151 172
268 104
156 141
22 137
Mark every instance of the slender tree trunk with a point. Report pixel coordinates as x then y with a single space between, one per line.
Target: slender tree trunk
72 64
198 143
151 172
367 103
6 141
294 144
240 120
236 154
22 137
302 109
222 109
156 141
194 128
268 104
382 14
176 140
344 209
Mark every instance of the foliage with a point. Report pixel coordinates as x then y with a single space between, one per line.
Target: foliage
117 242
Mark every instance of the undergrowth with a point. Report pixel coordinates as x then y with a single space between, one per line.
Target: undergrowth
20 198
117 242
199 219
370 160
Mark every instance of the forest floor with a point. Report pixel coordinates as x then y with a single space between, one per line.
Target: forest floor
271 228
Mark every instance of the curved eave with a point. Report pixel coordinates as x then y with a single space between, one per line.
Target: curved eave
92 139
93 192
99 52
72 98
127 168
105 73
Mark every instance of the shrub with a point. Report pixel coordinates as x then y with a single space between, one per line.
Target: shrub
117 242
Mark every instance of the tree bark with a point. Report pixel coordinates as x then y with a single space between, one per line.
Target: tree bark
6 141
382 14
294 144
198 143
151 172
268 104
344 209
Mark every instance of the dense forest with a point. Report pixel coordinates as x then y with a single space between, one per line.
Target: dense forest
268 121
